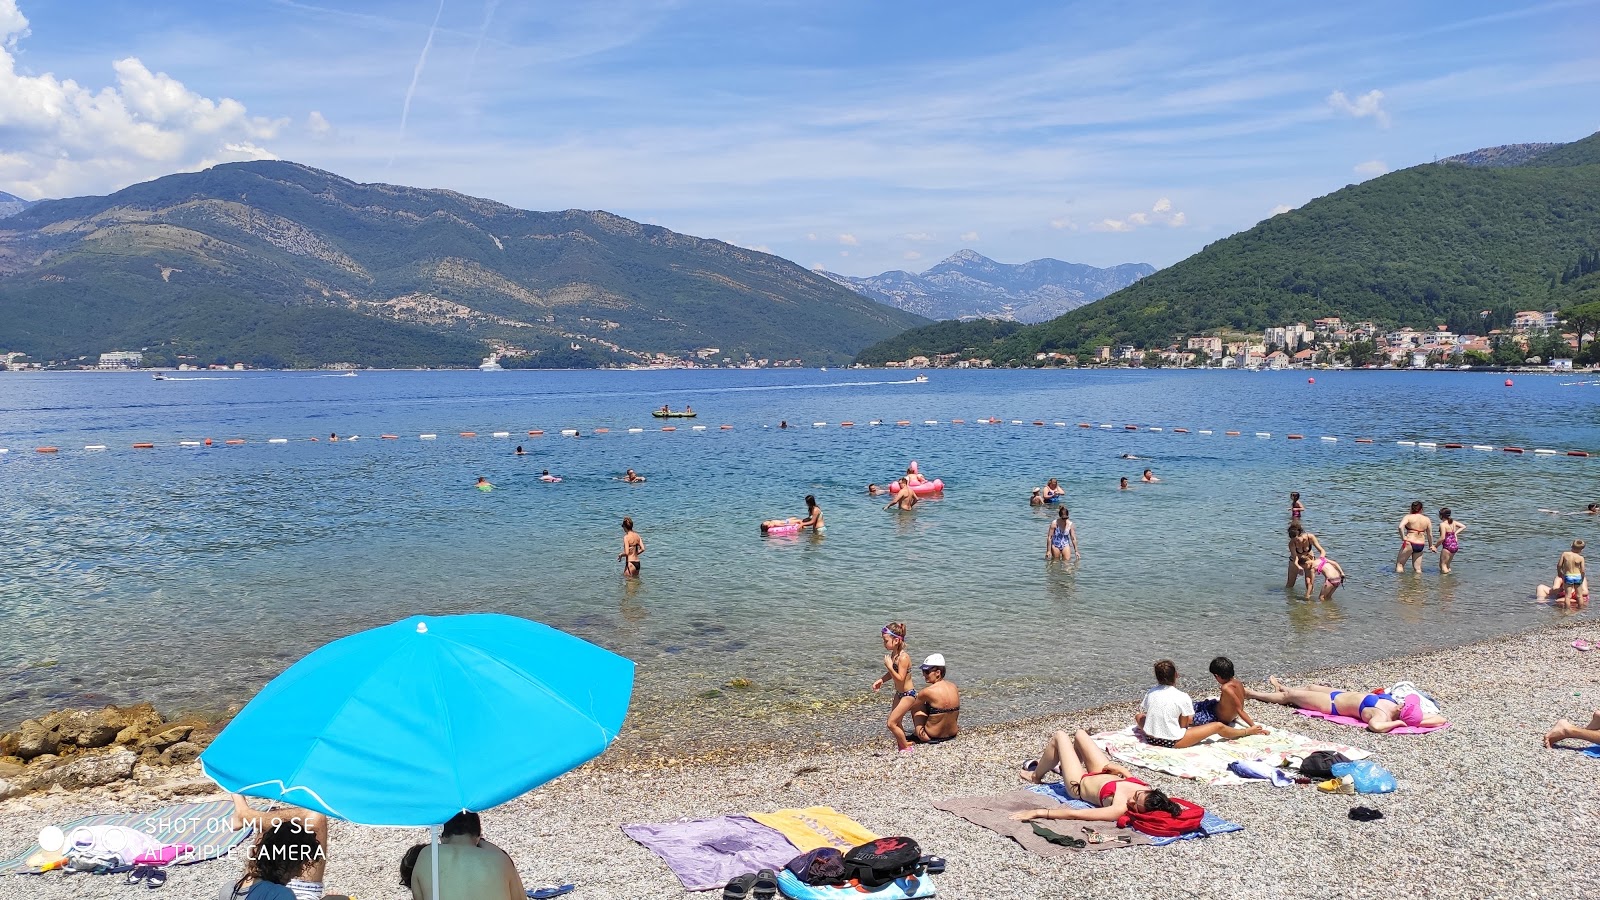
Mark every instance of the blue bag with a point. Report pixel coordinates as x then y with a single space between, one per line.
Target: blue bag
1367 776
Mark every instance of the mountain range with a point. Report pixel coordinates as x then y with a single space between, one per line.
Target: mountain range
11 205
1462 243
970 285
279 264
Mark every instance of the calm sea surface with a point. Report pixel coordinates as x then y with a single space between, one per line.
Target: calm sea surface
190 576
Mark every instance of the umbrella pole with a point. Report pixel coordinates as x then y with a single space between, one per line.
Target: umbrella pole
434 832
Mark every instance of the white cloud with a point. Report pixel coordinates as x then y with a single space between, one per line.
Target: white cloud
849 240
318 124
1159 214
1371 168
920 236
66 139
913 255
1368 105
13 24
1063 224
1279 210
969 236
811 237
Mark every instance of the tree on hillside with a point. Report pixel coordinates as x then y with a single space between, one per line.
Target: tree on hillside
1583 319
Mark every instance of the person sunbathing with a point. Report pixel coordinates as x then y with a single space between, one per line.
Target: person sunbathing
938 705
1166 715
1565 730
1092 777
469 866
1381 712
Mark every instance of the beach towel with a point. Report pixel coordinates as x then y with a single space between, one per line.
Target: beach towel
708 853
1593 750
201 827
1208 761
994 813
910 887
1357 723
815 827
1212 824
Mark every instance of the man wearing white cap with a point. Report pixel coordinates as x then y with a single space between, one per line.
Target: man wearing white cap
938 704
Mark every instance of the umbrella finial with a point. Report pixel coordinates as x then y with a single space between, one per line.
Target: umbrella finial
422 628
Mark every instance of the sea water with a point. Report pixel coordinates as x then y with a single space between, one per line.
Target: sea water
189 576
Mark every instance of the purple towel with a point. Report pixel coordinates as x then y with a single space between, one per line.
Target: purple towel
708 853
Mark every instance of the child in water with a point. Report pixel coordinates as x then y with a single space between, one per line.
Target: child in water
1295 506
897 668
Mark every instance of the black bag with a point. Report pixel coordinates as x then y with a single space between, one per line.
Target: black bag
1319 765
876 863
824 865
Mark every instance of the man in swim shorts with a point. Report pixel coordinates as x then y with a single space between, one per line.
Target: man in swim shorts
632 548
938 705
904 497
1572 578
1228 708
1166 715
1416 537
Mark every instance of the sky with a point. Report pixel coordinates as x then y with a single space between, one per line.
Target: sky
853 135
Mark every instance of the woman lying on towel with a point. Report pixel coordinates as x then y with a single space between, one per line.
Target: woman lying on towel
1092 777
1381 712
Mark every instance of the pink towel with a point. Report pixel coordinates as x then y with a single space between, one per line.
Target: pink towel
1357 723
164 856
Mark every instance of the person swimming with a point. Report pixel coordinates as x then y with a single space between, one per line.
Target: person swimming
546 476
633 477
520 451
1149 477
483 484
1123 484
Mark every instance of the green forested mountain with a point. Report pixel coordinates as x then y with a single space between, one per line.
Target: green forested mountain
274 263
1433 244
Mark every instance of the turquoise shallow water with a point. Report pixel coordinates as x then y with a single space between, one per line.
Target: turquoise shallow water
189 576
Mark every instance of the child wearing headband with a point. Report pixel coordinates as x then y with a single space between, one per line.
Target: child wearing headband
897 668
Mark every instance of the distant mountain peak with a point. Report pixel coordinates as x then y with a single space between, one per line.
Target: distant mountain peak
10 204
968 285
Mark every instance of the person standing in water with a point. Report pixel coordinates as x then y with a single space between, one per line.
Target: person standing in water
904 496
813 519
1416 537
1302 543
1449 540
632 548
1062 541
1295 506
897 671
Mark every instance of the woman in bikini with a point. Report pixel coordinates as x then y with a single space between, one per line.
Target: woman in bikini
1449 540
1062 541
1380 711
1302 544
934 719
1416 537
897 670
1092 777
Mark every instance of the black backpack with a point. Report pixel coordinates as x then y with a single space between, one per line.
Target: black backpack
876 863
1319 765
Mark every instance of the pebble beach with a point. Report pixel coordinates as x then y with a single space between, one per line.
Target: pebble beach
1483 809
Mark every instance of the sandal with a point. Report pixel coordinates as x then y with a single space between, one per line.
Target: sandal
155 879
137 875
1581 644
545 893
739 888
932 865
765 886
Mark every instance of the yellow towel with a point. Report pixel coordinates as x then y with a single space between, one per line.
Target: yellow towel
815 827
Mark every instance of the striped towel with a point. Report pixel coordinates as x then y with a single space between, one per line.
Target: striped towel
203 826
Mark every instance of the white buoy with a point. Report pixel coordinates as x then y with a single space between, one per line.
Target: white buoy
277 440
697 428
819 424
1263 434
1429 444
427 437
1546 452
875 422
1205 431
1105 426
569 432
501 434
1331 440
930 421
1154 428
641 430
1482 447
94 446
1406 443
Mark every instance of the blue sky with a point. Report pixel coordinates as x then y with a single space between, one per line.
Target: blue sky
859 136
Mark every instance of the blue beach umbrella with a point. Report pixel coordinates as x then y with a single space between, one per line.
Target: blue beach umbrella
411 723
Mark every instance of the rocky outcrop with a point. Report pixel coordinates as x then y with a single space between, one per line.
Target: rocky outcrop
79 748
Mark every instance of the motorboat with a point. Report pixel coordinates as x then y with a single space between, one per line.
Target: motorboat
671 414
490 363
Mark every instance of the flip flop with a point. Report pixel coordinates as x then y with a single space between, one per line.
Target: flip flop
1581 644
137 875
765 886
155 879
545 893
932 865
739 888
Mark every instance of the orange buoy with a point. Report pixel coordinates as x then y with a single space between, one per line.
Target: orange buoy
469 434
724 427
1577 453
669 428
1036 422
1130 428
535 433
602 431
1508 382
1296 437
1451 446
1085 425
1363 440
234 441
1231 433
1512 449
47 449
389 437
208 442
847 424
143 446
1180 431
958 421
903 422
